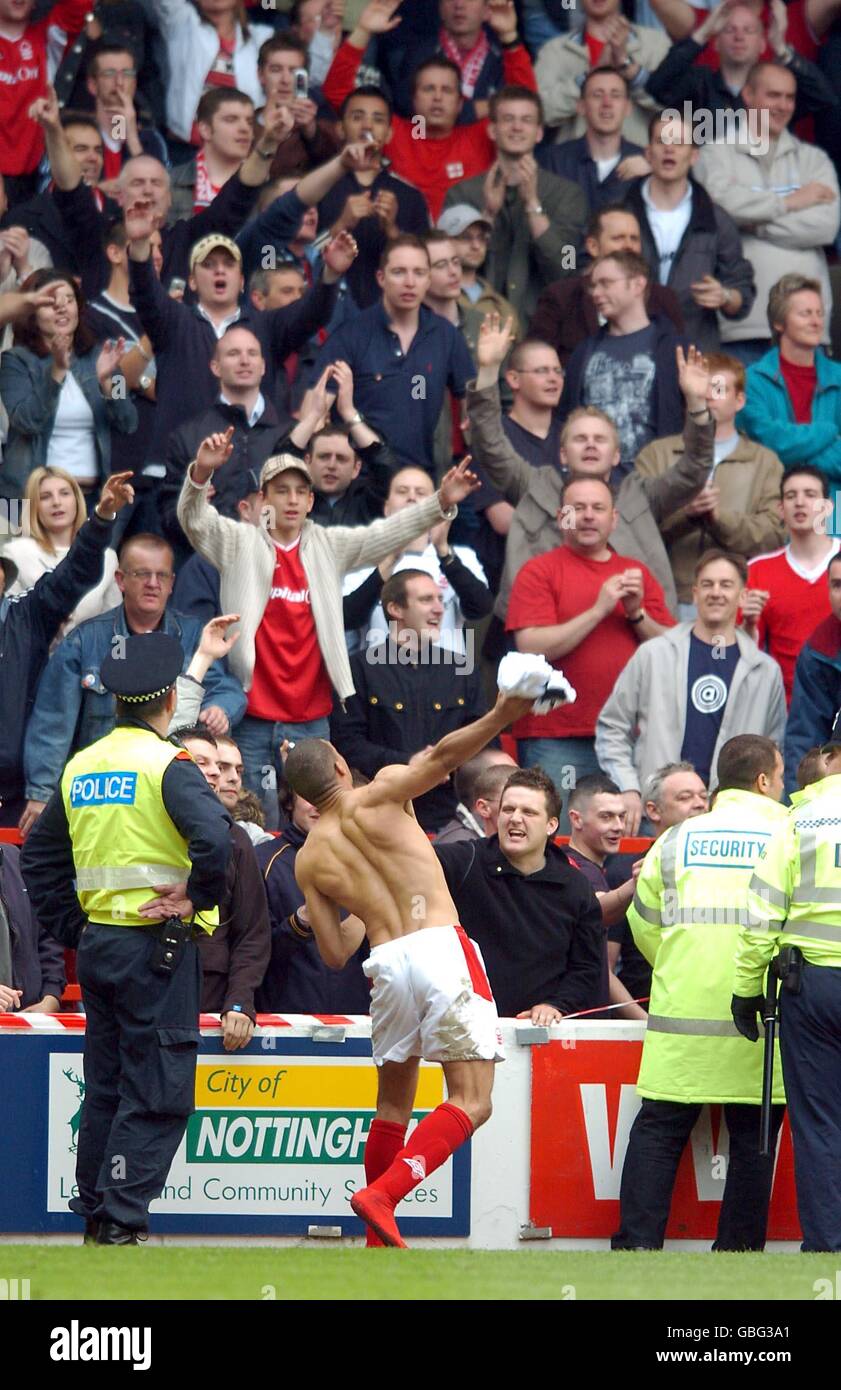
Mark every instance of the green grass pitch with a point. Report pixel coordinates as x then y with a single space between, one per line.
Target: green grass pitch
255 1273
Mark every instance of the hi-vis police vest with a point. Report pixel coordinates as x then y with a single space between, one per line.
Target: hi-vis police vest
690 901
795 894
124 842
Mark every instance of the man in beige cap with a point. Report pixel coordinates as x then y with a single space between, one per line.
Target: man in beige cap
285 578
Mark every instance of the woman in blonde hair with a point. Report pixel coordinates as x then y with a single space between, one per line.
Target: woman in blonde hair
56 512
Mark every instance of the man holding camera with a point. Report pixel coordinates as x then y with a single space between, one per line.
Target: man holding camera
137 827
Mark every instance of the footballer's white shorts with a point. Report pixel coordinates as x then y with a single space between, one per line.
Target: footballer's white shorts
430 998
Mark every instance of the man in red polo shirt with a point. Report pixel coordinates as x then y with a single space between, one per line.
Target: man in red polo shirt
586 609
430 150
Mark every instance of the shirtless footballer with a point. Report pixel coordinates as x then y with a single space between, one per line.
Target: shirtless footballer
430 994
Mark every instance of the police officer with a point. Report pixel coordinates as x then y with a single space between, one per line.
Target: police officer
691 897
138 828
795 906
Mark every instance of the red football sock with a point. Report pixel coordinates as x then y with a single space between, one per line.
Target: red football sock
435 1138
384 1142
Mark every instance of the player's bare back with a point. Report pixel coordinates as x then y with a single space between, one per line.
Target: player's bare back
376 861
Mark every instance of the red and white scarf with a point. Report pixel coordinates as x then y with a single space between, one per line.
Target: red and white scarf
206 189
470 63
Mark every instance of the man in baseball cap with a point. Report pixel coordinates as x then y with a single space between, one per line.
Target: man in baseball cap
471 235
214 241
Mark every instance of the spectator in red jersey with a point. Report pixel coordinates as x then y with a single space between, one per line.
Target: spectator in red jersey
29 55
444 153
816 694
806 23
787 594
112 82
225 119
586 609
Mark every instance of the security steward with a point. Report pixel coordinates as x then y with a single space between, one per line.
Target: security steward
147 842
691 898
795 905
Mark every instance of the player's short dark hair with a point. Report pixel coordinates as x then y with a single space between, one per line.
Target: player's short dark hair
537 780
367 89
310 769
435 63
709 557
594 784
115 233
742 759
290 41
594 226
395 589
194 731
810 768
330 432
211 102
406 239
514 92
795 469
489 783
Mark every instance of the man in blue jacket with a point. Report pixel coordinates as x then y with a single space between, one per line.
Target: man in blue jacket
72 707
816 697
29 623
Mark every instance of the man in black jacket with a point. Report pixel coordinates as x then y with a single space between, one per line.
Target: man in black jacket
410 692
686 237
740 41
234 959
30 622
239 367
531 912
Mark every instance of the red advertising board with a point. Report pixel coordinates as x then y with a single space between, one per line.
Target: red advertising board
583 1103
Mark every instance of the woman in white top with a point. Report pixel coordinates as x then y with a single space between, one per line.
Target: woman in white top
54 513
212 43
62 391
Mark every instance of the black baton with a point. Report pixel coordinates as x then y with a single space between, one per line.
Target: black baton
769 1018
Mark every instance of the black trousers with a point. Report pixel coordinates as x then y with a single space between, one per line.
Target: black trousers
810 1048
141 1045
658 1137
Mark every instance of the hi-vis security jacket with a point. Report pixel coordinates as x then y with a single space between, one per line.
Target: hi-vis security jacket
795 893
125 843
691 899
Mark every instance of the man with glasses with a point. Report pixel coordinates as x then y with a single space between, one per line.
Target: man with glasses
472 235
628 368
537 218
112 82
72 707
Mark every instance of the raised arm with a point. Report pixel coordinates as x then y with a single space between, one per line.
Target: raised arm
433 767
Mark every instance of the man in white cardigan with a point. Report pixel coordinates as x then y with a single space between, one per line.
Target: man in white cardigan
285 578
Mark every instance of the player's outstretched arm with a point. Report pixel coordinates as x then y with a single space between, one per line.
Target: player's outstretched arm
434 766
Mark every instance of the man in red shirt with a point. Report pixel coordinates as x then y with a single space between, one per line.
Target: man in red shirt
430 150
787 595
29 55
586 609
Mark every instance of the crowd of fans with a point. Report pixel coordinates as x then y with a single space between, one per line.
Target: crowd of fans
284 269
